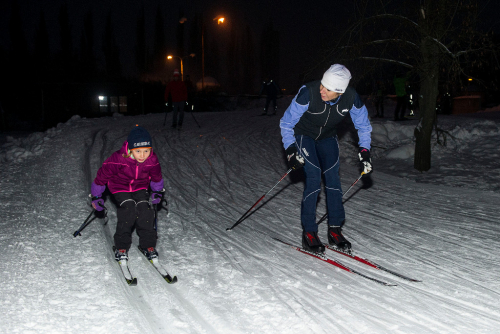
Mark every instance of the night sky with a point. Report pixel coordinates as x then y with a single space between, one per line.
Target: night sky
303 25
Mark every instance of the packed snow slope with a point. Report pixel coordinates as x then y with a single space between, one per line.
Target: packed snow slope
440 227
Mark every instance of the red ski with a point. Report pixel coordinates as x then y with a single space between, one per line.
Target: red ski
370 263
324 258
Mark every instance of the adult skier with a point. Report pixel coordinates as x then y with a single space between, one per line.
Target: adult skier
177 90
309 133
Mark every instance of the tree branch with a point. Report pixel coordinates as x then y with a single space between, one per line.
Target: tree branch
387 61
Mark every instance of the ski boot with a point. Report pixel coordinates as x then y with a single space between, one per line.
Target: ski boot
121 255
311 242
335 238
150 253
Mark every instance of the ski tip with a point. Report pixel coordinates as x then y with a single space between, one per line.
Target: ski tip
171 280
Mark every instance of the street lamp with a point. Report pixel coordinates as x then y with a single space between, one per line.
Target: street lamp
180 58
219 20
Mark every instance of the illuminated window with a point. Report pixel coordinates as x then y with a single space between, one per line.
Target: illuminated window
103 103
114 104
123 104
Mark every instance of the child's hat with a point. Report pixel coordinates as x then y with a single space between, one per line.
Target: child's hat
139 138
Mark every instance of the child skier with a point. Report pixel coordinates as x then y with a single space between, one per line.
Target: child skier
128 173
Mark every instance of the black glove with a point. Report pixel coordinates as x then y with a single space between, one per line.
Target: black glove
295 160
366 161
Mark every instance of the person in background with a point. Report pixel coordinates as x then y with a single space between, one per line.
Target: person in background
270 89
178 93
400 82
129 173
379 99
309 134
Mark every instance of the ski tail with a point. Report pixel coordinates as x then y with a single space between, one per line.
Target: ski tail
370 263
324 258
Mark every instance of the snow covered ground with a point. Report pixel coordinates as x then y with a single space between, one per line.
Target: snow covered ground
439 226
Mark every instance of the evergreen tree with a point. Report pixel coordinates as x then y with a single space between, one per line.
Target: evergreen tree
159 45
19 56
180 35
88 66
270 54
141 53
248 56
111 52
232 62
42 50
65 56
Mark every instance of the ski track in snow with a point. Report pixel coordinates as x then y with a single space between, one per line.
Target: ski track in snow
240 281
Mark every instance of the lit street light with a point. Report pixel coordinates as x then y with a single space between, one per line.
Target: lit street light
219 20
180 58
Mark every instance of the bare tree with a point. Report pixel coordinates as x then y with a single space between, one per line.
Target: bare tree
432 39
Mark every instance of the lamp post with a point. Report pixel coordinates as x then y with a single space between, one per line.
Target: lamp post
219 20
180 58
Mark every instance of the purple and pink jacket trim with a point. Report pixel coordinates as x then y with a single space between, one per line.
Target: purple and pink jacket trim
123 174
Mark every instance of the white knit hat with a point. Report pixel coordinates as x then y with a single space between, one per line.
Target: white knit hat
336 78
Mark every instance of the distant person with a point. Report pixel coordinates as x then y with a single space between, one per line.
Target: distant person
309 132
178 92
400 81
130 173
379 98
270 89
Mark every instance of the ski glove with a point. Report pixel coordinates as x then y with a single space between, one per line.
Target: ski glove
96 192
366 160
156 191
156 197
98 203
295 160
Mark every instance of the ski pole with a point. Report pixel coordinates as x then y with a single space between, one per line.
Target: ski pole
192 107
166 113
85 223
352 185
156 218
260 199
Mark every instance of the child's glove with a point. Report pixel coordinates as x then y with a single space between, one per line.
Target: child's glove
98 203
96 192
156 197
156 191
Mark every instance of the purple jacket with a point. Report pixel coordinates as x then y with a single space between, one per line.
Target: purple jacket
123 174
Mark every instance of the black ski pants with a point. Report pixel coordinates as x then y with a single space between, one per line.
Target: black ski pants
134 211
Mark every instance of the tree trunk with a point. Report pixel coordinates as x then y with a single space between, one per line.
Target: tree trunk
427 101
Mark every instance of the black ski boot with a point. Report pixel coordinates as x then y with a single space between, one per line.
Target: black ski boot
311 242
121 255
150 253
335 238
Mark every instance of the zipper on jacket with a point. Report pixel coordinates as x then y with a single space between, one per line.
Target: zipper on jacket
321 127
